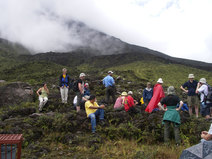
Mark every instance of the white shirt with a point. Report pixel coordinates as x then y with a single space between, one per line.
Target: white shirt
210 130
204 91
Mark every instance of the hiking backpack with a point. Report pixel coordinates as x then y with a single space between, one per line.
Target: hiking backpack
209 96
75 86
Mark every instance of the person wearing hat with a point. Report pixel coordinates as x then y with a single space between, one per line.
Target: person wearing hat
192 98
130 104
147 94
109 83
171 115
93 110
119 104
64 85
202 88
80 90
158 94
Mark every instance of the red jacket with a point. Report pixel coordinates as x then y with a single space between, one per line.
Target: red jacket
158 94
129 102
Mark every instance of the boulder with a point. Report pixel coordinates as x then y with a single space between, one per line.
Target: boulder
15 93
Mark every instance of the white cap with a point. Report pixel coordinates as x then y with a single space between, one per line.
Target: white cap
130 92
82 75
160 80
202 80
110 72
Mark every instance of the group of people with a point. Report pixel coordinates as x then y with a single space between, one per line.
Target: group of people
154 99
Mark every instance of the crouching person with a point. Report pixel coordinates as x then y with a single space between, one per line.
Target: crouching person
43 96
171 115
93 110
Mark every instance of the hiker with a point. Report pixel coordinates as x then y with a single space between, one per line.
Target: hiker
80 90
192 98
93 110
86 90
130 104
205 105
147 94
206 136
64 85
119 104
158 94
171 115
43 97
109 83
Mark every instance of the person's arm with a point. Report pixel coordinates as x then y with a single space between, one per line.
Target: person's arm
68 81
47 90
144 95
181 87
80 88
100 107
197 89
181 104
38 91
160 105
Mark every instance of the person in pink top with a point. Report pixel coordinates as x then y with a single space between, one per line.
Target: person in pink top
158 94
119 104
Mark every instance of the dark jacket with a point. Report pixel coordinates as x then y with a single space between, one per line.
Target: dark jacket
147 95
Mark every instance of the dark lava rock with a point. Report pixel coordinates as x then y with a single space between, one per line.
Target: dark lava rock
15 93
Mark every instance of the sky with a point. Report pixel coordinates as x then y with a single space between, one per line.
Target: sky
179 28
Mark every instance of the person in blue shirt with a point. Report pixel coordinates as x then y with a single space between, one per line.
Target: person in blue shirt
192 98
147 94
64 85
109 83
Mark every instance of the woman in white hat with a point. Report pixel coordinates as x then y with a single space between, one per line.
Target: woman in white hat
119 104
158 94
202 88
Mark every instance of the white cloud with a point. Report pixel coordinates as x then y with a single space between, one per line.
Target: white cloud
180 28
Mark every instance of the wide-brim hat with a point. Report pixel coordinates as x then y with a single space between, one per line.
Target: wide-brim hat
170 90
124 93
82 75
191 76
160 80
203 80
110 72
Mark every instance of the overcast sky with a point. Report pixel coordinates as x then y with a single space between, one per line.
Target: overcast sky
180 28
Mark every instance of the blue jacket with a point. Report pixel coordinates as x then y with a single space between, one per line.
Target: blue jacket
64 81
147 95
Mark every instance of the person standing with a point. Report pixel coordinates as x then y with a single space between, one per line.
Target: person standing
192 98
43 97
64 85
202 88
80 90
171 115
147 94
109 83
93 110
158 94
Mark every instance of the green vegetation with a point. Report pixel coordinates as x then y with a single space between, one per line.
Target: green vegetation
65 133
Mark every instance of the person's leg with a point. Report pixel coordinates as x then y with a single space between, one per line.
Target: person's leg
45 100
79 98
207 111
196 104
62 94
166 131
113 92
189 105
65 95
177 133
93 122
107 95
41 103
100 113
